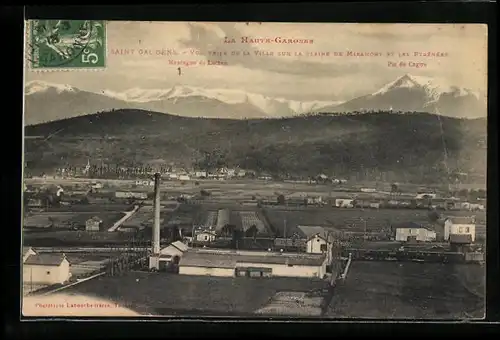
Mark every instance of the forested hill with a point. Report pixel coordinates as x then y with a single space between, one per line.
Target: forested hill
410 144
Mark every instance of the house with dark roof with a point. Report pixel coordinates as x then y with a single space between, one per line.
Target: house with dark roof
169 257
46 269
26 252
411 231
460 226
315 239
460 242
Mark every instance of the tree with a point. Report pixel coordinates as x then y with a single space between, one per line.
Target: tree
473 195
212 160
175 233
433 216
481 193
237 238
394 188
228 230
463 193
281 200
252 231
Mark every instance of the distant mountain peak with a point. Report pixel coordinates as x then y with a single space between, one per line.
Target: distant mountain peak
433 87
36 86
410 93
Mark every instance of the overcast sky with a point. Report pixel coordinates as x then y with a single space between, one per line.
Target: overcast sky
294 77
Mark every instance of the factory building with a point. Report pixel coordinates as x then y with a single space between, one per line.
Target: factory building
46 269
197 263
407 232
252 264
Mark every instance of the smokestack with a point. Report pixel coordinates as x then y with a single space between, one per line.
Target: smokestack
156 209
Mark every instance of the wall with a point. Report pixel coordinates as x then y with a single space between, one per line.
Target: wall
37 274
153 262
286 271
314 245
450 228
226 272
64 271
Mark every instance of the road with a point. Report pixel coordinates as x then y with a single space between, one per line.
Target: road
118 223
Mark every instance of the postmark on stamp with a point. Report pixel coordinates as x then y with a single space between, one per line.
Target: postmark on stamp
66 44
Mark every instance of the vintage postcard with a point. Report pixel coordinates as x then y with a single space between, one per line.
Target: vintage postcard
254 169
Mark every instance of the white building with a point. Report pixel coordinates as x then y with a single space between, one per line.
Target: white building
344 203
316 239
200 174
93 224
406 231
460 226
96 185
314 200
46 269
423 195
232 263
205 236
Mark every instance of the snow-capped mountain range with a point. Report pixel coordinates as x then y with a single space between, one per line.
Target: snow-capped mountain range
415 93
47 101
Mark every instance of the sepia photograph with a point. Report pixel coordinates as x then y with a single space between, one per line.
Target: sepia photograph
254 169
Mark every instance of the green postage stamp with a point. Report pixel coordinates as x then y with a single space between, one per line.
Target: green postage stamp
66 44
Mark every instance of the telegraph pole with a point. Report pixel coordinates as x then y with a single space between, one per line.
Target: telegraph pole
365 229
284 232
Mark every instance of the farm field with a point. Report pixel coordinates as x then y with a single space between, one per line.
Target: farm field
67 219
353 219
410 291
144 216
221 296
68 238
91 208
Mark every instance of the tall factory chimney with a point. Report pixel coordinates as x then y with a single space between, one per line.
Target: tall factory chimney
156 209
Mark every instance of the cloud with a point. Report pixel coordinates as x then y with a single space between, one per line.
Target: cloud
206 40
